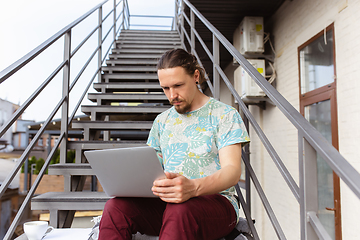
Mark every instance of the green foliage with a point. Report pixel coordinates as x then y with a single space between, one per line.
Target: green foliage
71 156
55 159
38 165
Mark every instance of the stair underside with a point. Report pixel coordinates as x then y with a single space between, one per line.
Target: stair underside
113 97
94 145
69 201
127 87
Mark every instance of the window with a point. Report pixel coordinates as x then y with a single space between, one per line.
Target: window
318 105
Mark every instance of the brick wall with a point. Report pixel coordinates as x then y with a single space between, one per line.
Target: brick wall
292 25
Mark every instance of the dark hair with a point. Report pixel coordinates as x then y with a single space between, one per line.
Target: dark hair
181 58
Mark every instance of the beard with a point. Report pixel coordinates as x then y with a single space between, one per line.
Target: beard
181 109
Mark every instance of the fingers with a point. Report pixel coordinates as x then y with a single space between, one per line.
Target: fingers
171 175
167 181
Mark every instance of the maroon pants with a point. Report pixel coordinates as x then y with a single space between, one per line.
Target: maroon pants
206 217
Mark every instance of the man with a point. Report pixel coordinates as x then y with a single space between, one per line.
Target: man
198 142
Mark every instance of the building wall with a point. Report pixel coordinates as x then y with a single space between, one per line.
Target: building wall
6 110
292 25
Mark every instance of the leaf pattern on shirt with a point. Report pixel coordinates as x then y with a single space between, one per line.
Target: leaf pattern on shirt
230 137
174 154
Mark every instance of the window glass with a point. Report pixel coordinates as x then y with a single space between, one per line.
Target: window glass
317 64
319 115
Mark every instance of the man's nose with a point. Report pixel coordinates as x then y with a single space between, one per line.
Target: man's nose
173 93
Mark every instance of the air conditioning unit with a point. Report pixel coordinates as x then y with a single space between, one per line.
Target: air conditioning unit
249 36
244 84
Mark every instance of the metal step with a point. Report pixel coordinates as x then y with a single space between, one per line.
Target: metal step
129 68
81 146
128 86
71 169
149 31
136 51
150 34
69 201
136 62
97 145
103 125
121 39
97 111
91 126
129 76
148 46
134 56
145 42
106 98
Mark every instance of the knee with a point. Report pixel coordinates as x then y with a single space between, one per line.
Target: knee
117 205
178 211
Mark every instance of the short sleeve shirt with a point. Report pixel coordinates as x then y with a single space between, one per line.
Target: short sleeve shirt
189 143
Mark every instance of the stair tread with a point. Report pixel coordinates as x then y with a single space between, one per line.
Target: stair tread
113 124
112 97
145 42
149 31
130 50
136 62
148 39
83 197
132 56
130 68
70 165
131 75
98 144
149 46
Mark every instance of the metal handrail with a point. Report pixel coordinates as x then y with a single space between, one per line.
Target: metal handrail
13 68
7 72
335 160
152 16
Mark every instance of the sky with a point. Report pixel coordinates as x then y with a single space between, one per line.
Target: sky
26 24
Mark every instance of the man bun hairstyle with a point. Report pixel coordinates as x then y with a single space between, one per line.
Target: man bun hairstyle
181 58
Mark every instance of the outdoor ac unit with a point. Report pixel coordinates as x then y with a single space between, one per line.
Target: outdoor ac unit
244 84
249 36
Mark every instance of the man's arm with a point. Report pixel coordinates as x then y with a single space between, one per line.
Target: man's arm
177 188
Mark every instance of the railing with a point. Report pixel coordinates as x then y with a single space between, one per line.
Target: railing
310 140
67 87
154 25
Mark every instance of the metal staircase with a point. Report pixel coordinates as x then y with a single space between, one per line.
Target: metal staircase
129 98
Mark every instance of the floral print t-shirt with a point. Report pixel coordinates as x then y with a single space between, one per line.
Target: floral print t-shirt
189 143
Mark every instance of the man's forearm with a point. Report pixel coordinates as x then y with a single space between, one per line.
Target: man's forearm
221 180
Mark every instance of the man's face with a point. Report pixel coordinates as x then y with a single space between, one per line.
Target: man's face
179 87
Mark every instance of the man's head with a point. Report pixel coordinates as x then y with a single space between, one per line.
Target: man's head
179 73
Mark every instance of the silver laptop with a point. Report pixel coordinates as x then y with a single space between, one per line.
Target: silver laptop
126 172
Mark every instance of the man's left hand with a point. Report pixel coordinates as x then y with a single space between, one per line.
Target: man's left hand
175 188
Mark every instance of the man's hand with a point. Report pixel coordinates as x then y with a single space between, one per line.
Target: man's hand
175 188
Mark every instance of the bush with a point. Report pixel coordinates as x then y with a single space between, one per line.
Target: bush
39 163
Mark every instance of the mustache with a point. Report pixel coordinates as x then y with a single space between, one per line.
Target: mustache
175 100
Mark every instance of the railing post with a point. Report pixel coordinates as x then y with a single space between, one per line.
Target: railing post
216 75
100 43
123 16
114 19
247 173
308 189
65 92
176 19
192 36
182 24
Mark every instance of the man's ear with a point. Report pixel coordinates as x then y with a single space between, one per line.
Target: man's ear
196 76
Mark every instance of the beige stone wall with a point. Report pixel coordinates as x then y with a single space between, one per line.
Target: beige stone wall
292 25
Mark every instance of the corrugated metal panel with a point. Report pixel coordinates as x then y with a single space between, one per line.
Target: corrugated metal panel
226 15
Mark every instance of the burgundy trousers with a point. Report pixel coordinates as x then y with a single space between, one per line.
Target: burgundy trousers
205 217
